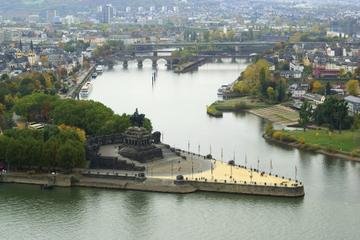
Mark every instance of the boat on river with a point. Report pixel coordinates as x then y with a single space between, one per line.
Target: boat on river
223 89
99 69
86 89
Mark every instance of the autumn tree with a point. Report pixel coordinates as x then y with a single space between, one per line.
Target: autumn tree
316 86
352 87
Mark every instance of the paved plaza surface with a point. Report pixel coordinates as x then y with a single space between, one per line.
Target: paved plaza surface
196 167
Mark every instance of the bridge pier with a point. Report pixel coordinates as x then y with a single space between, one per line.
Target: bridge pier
140 63
219 60
233 60
125 64
154 63
169 64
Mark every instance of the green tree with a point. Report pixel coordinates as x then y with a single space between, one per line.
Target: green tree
14 153
328 89
271 93
281 91
334 113
49 153
356 122
117 124
4 141
305 114
5 77
70 155
341 112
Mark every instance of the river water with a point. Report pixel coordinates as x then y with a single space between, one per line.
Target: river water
176 104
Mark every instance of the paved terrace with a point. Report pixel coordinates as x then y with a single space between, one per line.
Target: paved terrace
198 168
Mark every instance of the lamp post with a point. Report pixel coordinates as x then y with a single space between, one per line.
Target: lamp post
192 168
172 168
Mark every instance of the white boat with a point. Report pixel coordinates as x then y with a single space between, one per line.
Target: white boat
99 69
86 90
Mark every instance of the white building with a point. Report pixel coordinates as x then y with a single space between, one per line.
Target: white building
353 104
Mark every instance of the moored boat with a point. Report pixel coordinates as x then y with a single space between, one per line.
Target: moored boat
86 90
99 69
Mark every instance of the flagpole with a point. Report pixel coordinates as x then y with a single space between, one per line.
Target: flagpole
222 154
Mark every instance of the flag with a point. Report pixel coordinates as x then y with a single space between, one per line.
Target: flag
271 165
295 171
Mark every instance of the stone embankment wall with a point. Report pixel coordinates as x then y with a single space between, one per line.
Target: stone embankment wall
153 185
58 180
252 189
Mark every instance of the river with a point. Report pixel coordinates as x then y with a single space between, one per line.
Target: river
176 104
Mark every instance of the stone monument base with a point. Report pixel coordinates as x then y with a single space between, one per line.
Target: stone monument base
141 154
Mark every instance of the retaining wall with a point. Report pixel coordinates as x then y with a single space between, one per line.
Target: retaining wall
252 189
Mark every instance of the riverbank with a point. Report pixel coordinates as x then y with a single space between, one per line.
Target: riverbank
161 185
345 145
178 172
217 108
75 90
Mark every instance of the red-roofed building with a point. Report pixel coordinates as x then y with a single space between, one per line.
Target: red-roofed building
322 72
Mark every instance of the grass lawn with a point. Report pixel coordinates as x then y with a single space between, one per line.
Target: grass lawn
236 104
347 141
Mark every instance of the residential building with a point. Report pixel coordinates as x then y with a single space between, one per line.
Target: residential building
316 99
108 13
353 104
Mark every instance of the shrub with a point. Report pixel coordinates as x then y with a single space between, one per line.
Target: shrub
355 152
288 138
330 149
269 129
241 106
277 135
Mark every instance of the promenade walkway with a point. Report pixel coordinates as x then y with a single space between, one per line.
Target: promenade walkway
198 168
